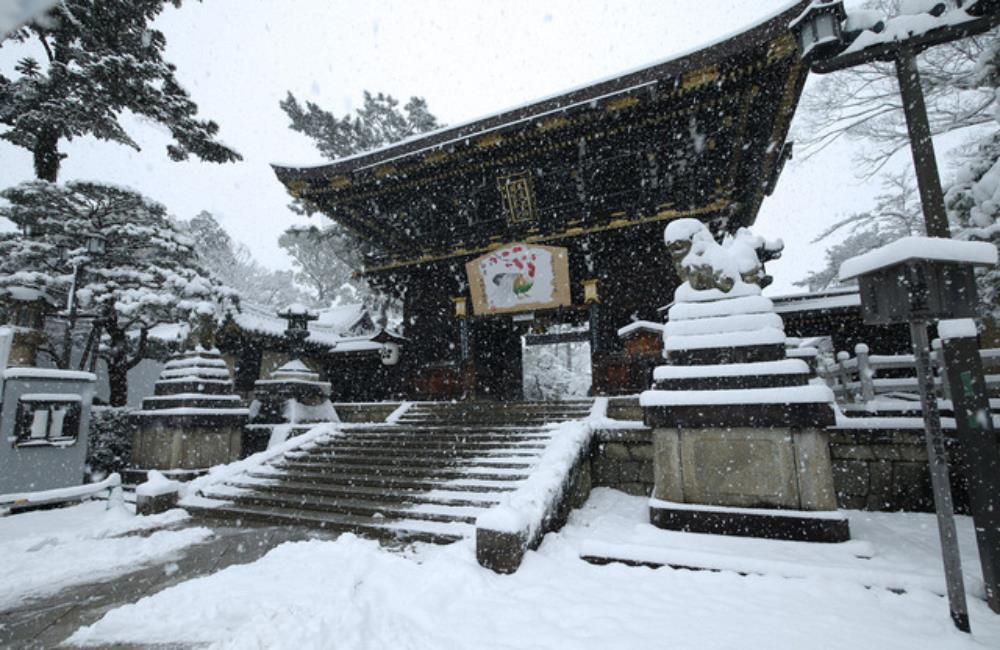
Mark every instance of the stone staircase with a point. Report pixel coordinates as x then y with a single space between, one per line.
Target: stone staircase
425 477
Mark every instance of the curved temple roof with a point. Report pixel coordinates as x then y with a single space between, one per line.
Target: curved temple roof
700 135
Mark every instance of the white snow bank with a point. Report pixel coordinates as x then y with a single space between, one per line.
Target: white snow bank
957 328
915 248
358 595
781 367
784 395
48 550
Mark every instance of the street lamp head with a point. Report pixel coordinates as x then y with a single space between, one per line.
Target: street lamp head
819 29
96 244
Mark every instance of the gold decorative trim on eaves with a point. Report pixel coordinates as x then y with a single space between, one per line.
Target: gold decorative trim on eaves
781 47
663 215
700 77
385 170
340 182
490 140
435 157
621 103
553 123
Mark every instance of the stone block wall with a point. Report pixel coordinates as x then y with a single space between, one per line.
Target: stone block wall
886 470
879 470
623 459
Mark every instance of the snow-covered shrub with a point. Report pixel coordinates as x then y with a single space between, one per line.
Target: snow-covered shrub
109 445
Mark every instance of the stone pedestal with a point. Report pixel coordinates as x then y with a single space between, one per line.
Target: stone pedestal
293 394
193 421
739 435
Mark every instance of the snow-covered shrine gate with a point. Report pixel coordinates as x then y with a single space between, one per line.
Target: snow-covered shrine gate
596 171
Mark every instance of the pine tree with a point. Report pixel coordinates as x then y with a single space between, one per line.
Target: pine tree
378 123
327 256
148 274
101 59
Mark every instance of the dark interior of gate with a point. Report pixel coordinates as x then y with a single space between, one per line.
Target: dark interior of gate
598 171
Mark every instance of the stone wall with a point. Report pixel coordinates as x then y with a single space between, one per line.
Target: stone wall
623 459
886 470
880 470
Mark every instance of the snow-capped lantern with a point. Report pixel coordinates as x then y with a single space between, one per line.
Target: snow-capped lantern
818 29
389 354
96 244
298 317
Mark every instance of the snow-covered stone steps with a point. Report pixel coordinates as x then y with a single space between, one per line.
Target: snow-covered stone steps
482 451
390 481
427 480
378 458
493 474
456 497
410 530
374 508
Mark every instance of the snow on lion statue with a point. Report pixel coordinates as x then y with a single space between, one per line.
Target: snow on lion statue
704 264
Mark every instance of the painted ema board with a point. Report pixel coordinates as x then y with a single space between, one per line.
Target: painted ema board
519 277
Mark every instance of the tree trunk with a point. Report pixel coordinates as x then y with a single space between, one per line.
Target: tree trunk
118 368
47 156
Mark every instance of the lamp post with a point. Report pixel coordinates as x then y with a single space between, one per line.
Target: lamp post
826 47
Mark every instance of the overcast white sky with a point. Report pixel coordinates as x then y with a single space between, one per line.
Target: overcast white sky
238 58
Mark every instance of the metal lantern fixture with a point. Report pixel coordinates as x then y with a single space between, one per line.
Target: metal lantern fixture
298 318
818 29
96 244
590 291
461 307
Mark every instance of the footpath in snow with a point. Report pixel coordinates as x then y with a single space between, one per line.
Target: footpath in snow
48 550
351 593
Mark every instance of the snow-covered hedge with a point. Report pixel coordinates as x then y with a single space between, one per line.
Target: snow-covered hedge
109 444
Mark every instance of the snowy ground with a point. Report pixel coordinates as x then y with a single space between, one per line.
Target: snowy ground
350 593
48 550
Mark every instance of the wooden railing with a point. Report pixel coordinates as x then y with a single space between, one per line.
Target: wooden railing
864 377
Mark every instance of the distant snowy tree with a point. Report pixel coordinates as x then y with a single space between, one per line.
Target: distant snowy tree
325 260
149 273
973 199
897 213
232 263
102 59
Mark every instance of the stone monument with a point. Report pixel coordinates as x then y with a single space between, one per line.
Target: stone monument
192 421
739 433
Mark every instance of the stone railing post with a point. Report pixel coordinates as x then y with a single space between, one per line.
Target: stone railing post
845 375
866 374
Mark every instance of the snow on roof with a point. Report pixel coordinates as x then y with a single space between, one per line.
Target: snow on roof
341 318
845 297
261 321
646 325
919 248
48 373
467 129
914 21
